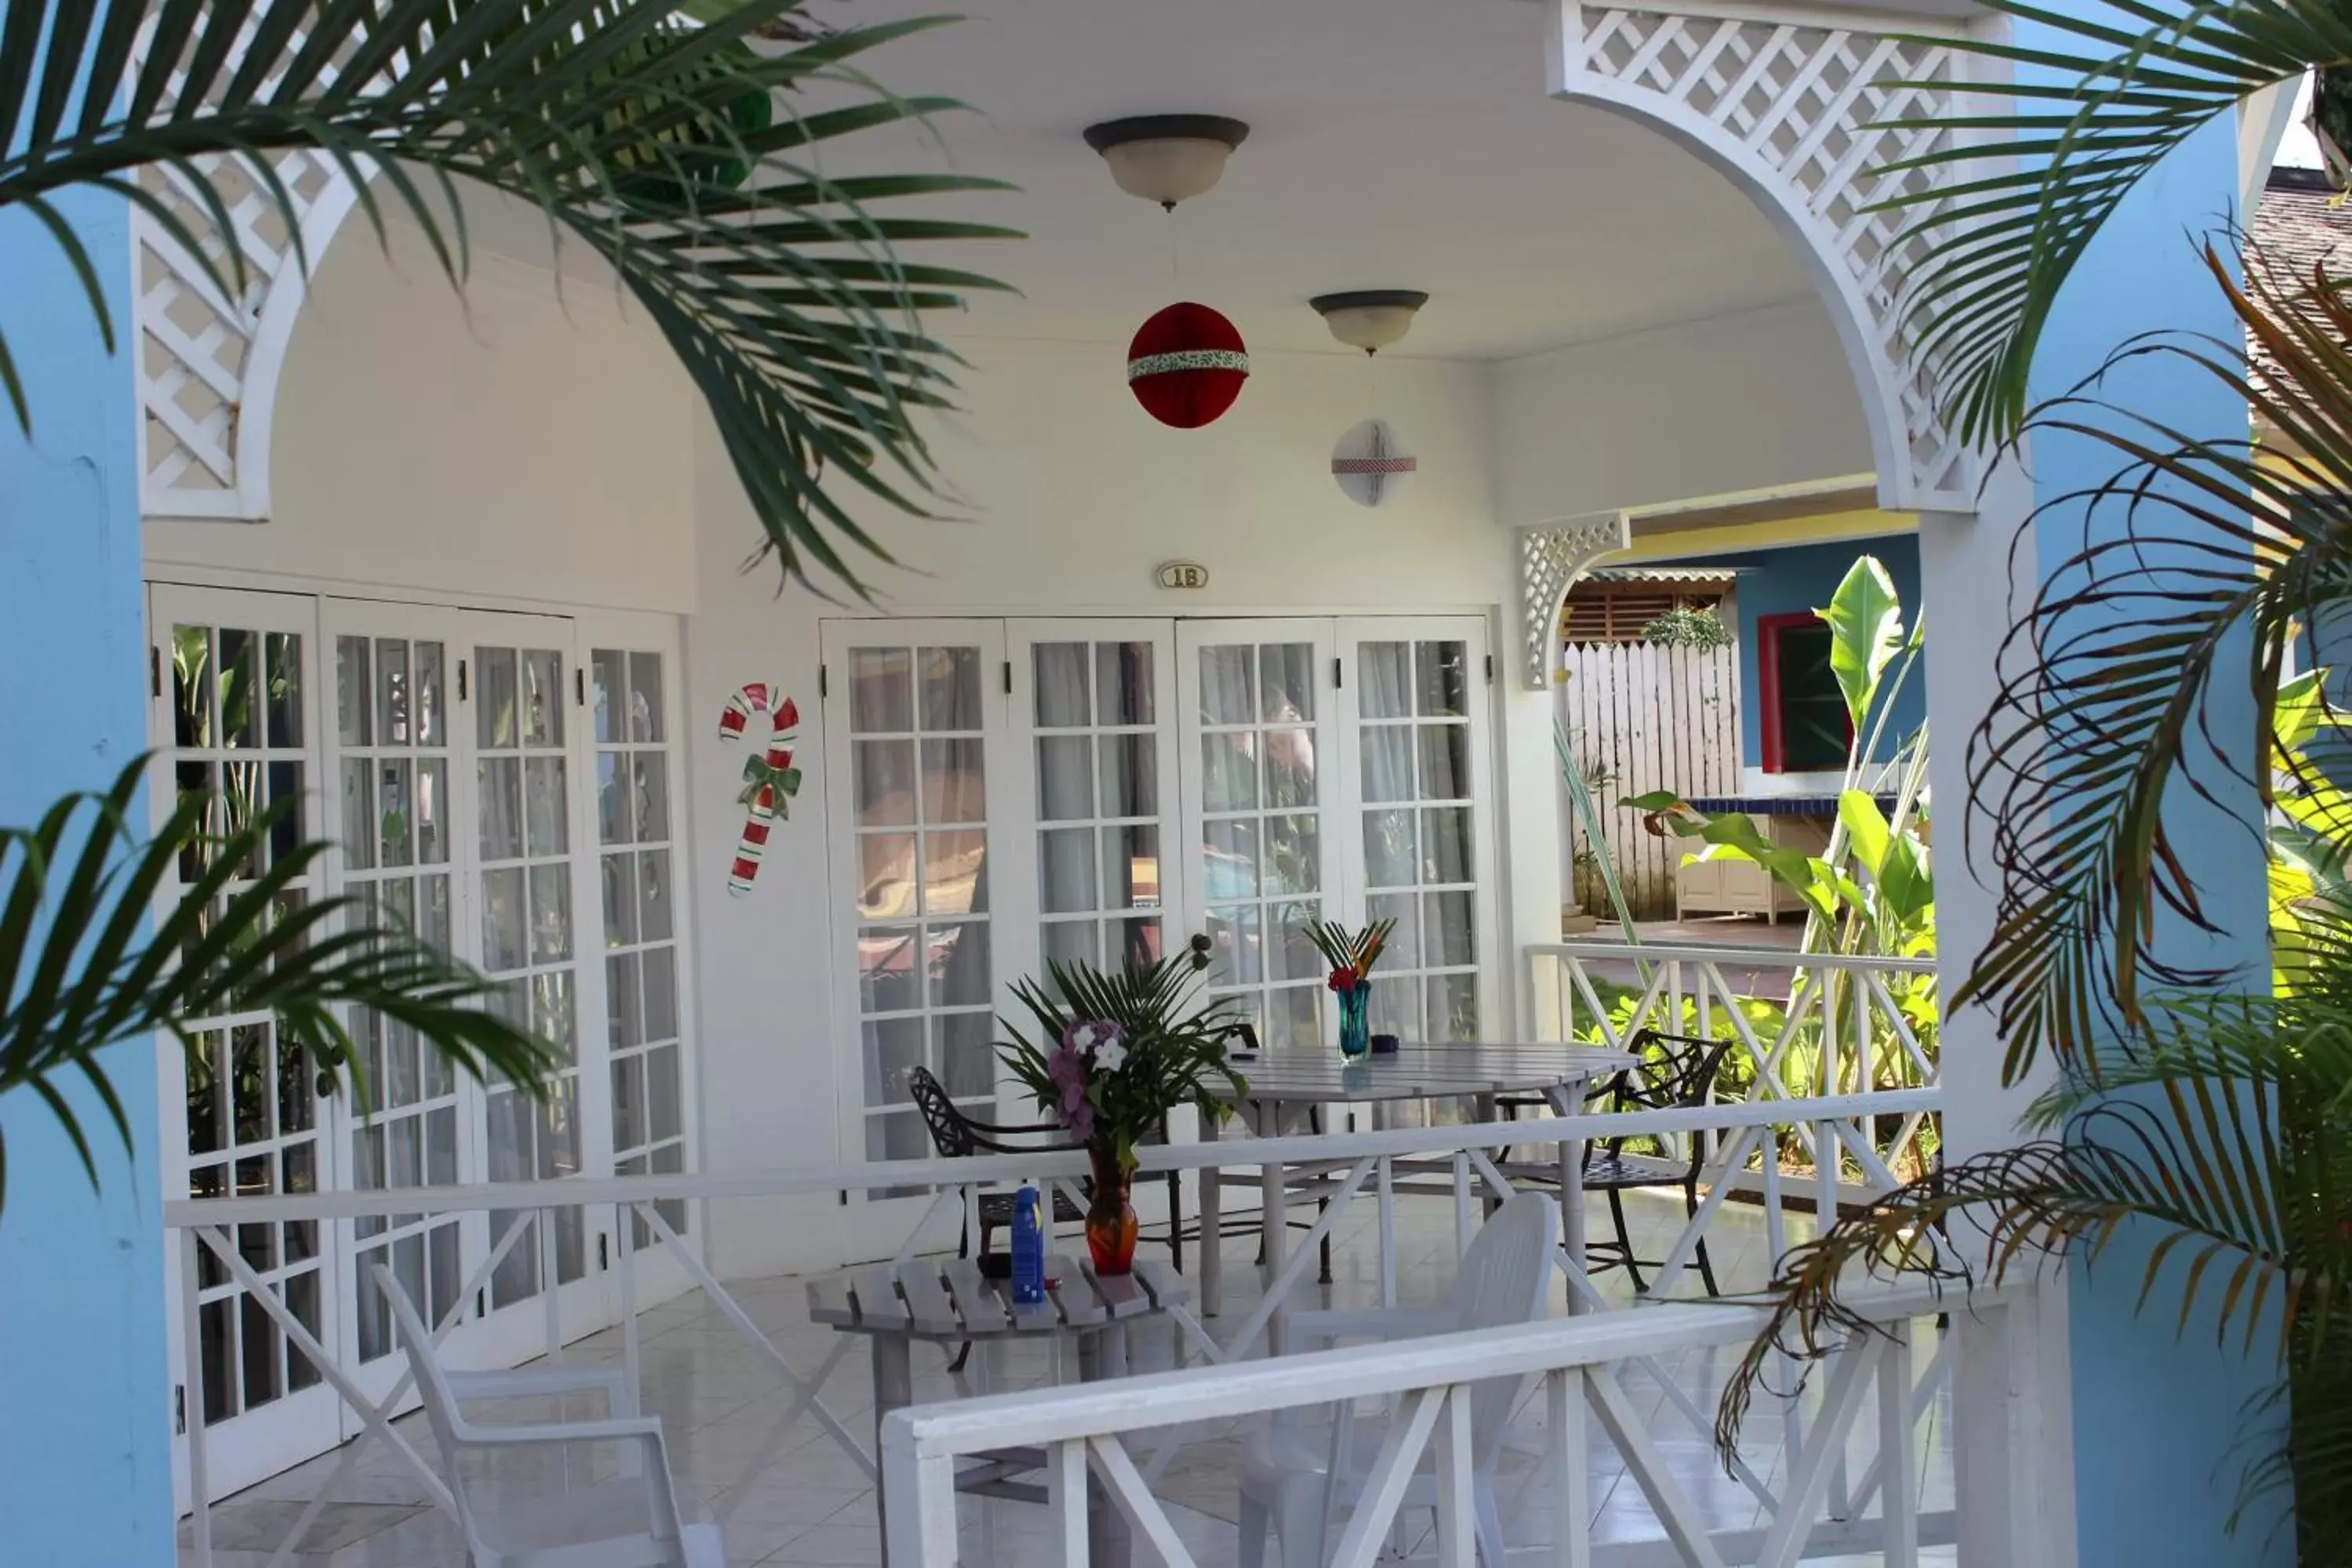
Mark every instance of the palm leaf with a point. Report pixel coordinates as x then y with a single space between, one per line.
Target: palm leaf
2031 186
77 893
669 146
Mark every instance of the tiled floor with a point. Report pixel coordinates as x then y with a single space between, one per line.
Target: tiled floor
798 1502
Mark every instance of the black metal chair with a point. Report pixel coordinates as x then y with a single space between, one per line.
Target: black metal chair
958 1136
1677 1071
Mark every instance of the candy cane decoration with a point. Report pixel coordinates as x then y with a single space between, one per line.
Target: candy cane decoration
771 778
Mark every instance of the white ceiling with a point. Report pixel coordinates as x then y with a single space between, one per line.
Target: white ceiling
1393 143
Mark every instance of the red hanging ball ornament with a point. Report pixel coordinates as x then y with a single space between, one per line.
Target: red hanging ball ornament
1186 366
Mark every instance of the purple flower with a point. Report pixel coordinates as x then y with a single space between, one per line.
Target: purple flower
1080 1121
1092 1037
1067 1070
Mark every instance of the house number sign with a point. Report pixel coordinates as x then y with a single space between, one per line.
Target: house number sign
1182 574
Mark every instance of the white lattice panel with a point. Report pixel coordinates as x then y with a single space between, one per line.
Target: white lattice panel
207 363
1805 111
1550 560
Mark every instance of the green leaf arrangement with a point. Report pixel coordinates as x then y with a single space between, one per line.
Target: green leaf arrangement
82 971
1351 951
670 140
1173 1050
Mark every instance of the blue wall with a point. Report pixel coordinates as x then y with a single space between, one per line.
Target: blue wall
85 1443
2160 1418
1800 578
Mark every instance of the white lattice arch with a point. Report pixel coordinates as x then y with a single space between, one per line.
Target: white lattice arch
1794 105
209 365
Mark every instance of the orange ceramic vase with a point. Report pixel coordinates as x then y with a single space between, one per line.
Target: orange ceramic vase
1110 1218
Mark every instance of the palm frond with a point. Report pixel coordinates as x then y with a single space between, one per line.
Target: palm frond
670 147
83 972
2152 659
2031 184
2128 1168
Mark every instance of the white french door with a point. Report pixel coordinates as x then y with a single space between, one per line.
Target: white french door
633 729
1264 803
507 787
534 917
1004 795
236 715
915 726
396 760
1423 794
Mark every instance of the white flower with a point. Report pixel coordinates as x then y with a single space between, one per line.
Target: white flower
1110 1054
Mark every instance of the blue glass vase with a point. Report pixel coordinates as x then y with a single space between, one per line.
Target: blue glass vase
1355 1024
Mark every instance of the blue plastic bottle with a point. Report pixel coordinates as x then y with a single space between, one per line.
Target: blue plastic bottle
1028 1246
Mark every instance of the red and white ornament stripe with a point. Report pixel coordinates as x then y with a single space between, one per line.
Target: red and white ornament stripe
784 716
1187 359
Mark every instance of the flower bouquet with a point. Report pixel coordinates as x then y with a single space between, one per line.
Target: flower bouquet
1351 956
1113 1055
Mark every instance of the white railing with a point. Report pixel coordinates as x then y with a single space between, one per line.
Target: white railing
1361 1163
1841 1028
1871 1398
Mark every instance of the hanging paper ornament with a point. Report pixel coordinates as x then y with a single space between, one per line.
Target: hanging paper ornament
770 778
1186 366
1371 465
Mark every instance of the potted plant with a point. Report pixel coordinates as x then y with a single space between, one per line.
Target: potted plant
1120 1051
1351 956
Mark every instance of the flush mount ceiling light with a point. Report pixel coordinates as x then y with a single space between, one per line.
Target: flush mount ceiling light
1166 158
1369 319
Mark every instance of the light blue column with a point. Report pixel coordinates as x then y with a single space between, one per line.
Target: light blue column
85 1395
2159 1417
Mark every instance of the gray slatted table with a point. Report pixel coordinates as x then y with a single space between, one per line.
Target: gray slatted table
949 1302
1286 1082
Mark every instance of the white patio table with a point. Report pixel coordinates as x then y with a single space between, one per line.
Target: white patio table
1286 1082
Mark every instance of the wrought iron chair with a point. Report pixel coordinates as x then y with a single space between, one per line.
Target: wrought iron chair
1676 1071
958 1136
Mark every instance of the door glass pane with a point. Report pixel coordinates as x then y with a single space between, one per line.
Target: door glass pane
390 693
645 1051
527 902
1415 743
919 778
253 1123
1260 846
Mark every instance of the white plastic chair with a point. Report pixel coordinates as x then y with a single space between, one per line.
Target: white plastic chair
1287 1480
628 1522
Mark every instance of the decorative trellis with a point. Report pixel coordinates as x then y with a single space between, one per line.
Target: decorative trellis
1550 560
208 364
1800 108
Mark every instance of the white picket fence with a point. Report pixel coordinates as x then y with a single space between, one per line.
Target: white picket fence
1649 718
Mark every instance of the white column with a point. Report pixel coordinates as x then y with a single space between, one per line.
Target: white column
2013 1428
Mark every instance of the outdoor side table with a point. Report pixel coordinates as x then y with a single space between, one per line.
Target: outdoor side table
951 1301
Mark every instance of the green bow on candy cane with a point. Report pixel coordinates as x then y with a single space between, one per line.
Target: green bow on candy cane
758 775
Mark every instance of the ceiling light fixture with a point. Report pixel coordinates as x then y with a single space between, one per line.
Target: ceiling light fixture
1166 158
1369 319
